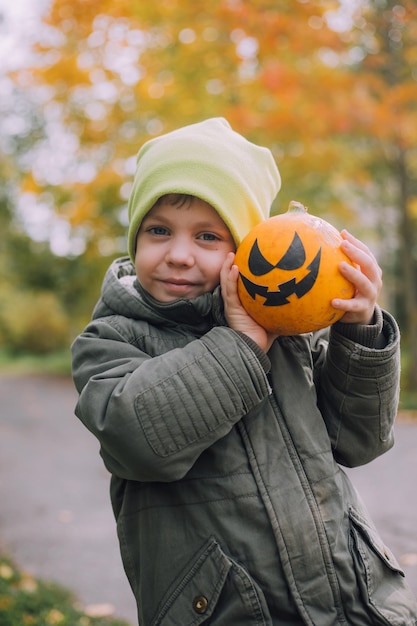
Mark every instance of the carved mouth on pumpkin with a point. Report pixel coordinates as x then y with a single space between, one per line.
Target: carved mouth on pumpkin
293 259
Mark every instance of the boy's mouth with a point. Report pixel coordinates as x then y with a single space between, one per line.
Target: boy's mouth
179 284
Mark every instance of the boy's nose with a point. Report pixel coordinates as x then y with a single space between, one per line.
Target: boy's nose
180 253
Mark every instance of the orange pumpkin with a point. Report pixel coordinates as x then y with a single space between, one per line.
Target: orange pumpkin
288 272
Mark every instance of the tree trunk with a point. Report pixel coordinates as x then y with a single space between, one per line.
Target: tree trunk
409 286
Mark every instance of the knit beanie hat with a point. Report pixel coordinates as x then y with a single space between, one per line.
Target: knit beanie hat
211 161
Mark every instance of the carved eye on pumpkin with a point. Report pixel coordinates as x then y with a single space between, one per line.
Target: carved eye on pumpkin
289 272
294 258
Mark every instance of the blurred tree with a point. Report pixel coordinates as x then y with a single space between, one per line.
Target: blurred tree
120 73
42 295
385 114
332 97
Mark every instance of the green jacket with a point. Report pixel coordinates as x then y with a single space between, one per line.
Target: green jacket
231 505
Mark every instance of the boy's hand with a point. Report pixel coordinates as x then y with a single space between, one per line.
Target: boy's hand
235 314
366 278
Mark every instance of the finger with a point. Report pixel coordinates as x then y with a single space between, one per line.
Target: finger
225 270
232 282
347 236
367 282
356 243
356 310
362 256
228 262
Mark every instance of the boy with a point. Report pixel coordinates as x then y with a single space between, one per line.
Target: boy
224 441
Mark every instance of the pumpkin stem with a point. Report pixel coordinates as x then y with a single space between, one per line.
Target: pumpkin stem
296 207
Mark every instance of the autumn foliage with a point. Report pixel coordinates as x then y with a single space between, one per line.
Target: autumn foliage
331 91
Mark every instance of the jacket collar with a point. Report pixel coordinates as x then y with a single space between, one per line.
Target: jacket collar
122 294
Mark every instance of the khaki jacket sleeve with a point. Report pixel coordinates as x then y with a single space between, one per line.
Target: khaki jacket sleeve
154 416
358 392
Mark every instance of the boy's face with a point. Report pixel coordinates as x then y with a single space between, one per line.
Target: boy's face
180 250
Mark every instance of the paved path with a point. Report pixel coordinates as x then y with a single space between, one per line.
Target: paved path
55 515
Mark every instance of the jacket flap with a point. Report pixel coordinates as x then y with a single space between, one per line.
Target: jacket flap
195 596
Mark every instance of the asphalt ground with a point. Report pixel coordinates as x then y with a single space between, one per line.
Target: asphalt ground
56 520
55 515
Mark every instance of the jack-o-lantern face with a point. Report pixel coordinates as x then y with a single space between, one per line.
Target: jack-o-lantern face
288 273
293 259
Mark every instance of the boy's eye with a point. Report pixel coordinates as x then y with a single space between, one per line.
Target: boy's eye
209 237
158 230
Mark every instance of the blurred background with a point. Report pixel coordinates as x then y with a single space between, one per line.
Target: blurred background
329 86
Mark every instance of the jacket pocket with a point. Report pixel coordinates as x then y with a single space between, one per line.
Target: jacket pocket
380 577
214 590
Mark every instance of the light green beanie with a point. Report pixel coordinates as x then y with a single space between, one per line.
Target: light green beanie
211 161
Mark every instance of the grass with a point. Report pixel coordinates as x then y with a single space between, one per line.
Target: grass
26 601
54 363
408 401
